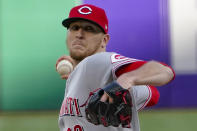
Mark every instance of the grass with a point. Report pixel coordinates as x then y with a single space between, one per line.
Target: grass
29 121
151 120
168 120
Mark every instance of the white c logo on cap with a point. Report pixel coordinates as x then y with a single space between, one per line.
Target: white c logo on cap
85 13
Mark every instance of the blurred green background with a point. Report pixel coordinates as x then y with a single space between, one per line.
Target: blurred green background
31 40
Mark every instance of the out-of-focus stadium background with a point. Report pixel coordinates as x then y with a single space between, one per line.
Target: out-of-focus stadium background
32 39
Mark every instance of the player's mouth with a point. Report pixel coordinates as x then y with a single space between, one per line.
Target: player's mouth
78 44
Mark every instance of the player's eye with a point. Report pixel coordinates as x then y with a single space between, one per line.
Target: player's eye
92 29
74 28
89 29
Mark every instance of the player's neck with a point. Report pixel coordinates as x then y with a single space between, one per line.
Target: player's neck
101 49
76 62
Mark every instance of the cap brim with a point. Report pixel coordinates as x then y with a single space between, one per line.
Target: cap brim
66 23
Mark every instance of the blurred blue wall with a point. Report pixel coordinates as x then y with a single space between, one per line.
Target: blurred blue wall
141 29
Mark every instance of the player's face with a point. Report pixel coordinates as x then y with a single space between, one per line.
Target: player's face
84 39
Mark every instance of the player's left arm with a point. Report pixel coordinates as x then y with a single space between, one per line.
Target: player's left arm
150 73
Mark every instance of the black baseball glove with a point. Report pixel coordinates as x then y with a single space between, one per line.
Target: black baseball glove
110 114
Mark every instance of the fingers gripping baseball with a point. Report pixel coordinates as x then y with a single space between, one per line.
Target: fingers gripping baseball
117 111
64 66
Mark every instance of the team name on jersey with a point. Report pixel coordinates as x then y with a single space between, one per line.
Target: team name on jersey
70 107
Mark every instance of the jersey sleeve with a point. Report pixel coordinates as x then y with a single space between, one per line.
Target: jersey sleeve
122 64
145 96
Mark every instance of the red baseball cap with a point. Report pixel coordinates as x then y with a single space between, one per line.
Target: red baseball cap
89 13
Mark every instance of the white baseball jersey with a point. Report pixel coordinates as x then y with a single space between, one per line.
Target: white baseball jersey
94 72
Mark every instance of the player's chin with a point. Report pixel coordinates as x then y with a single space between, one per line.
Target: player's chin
78 54
78 51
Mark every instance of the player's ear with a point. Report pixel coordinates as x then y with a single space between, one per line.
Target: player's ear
105 40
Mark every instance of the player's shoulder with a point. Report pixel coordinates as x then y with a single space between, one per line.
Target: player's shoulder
100 56
118 58
112 57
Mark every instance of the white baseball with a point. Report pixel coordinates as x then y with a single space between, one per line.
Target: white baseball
64 67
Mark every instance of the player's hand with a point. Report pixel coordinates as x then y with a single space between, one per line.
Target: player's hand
125 81
64 57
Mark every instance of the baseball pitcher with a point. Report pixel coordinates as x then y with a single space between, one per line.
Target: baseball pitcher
105 90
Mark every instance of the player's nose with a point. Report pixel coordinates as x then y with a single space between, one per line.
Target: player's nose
80 33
